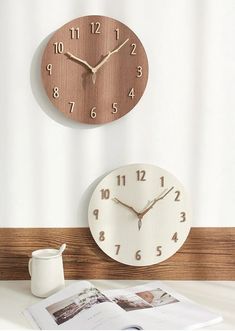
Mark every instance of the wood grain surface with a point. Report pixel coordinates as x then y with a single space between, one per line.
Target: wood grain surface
208 254
69 84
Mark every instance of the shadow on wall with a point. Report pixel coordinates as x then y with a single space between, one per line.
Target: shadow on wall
40 94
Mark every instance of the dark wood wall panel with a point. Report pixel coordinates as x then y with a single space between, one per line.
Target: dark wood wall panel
208 254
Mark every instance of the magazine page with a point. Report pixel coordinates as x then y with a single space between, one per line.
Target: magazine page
156 306
79 306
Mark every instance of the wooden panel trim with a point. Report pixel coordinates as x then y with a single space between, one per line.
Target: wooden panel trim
208 254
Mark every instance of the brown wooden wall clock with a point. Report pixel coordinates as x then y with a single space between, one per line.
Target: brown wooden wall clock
94 69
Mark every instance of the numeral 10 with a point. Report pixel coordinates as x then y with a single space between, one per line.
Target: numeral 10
105 194
58 47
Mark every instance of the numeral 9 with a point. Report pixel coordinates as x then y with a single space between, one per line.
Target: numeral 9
96 213
49 69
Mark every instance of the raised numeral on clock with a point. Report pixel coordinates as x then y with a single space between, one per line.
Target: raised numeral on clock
117 249
132 93
58 47
141 175
175 237
177 197
162 180
182 216
159 250
95 27
137 255
117 34
102 237
139 70
114 107
93 112
121 180
96 213
133 50
56 92
72 104
49 69
75 33
105 194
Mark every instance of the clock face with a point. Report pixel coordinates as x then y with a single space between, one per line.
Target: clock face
138 215
94 69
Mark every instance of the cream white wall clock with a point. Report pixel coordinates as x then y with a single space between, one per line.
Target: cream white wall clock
139 214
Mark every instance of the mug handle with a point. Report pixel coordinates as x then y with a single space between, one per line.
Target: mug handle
30 266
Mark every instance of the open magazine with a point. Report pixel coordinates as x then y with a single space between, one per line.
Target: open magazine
152 306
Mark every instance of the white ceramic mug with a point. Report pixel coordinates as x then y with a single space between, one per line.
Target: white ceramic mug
46 271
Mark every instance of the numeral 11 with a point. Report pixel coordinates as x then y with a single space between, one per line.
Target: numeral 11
121 180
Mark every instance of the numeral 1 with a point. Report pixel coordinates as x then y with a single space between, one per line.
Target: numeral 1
141 175
95 27
96 213
132 93
75 33
121 180
162 180
117 33
105 194
49 69
58 47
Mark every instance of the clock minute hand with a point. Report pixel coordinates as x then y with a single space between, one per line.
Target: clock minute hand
125 205
105 59
160 197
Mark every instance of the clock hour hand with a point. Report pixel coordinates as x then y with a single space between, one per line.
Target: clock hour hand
160 197
125 205
105 59
71 56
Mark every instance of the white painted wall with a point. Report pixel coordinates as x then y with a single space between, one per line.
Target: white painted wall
185 121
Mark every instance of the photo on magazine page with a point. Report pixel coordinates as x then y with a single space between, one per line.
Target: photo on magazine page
143 299
66 309
157 297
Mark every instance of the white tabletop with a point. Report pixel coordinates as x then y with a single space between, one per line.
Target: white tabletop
219 297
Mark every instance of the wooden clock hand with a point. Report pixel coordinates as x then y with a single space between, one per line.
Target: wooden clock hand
105 59
160 197
125 205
